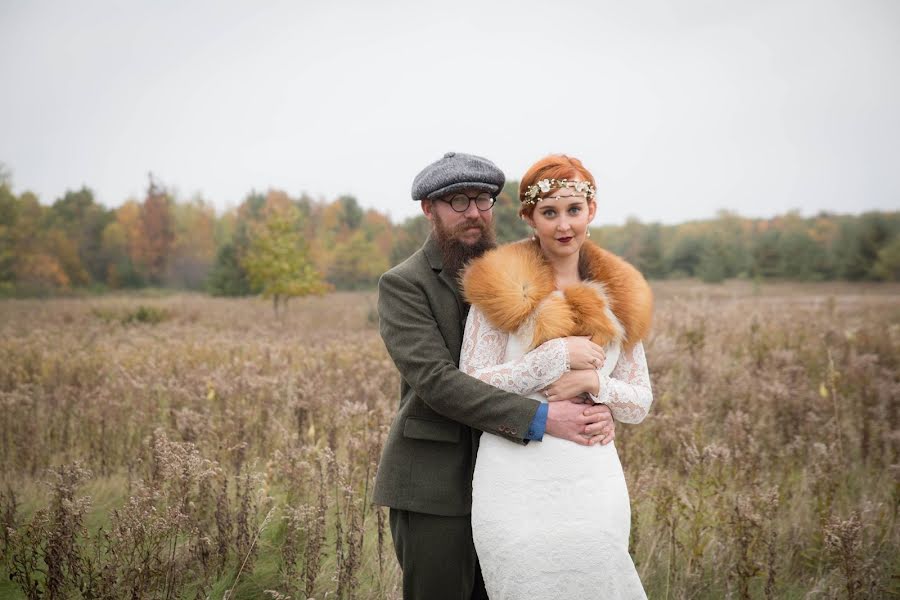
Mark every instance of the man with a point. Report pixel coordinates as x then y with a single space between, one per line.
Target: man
425 474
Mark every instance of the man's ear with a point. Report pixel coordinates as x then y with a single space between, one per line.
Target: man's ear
427 208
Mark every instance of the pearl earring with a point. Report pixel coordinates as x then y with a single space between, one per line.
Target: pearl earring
534 235
589 233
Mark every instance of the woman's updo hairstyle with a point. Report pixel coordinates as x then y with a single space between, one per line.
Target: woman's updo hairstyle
555 166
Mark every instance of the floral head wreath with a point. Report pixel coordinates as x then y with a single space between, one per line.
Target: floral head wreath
545 185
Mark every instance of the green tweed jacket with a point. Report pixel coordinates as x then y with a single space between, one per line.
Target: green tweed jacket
429 455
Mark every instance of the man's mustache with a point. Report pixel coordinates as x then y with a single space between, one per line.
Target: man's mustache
469 225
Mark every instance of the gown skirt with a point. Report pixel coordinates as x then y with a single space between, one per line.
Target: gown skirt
552 519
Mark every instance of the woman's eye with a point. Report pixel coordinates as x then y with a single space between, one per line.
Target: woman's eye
575 210
549 214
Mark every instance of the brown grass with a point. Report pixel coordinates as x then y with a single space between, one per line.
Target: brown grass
189 447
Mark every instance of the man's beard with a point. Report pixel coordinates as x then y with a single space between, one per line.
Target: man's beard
457 253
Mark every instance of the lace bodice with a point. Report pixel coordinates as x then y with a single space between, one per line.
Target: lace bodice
626 390
483 356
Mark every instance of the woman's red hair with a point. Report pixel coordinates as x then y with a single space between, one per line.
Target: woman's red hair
555 166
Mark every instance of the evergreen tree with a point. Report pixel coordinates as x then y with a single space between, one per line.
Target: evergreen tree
227 277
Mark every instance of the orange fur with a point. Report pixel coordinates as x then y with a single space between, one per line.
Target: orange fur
588 305
630 297
553 318
507 286
512 283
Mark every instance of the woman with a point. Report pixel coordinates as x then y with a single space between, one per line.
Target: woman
552 519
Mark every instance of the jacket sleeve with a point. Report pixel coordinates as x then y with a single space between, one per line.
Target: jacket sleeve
414 342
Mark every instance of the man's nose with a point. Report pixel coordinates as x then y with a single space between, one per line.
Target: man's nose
472 210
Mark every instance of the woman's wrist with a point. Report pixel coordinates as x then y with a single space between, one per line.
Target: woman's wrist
592 382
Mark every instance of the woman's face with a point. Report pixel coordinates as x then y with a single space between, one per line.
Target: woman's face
560 221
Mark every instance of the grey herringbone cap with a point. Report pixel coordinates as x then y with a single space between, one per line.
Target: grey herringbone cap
455 172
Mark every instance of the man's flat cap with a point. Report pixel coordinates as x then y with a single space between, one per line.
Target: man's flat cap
455 172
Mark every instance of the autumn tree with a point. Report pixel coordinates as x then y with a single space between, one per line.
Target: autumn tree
410 236
29 253
228 277
887 266
122 244
194 246
277 262
157 234
82 220
357 263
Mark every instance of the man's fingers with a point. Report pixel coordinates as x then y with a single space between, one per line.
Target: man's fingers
594 416
594 422
598 427
581 440
597 409
604 437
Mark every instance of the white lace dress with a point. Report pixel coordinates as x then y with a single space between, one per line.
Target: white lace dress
552 519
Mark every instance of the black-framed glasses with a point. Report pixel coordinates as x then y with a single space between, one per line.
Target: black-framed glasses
460 202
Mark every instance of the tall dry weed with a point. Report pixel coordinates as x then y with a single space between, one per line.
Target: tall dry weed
221 450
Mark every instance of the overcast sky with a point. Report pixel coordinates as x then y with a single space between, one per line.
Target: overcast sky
679 108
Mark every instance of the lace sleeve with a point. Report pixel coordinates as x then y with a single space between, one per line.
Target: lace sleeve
484 349
626 391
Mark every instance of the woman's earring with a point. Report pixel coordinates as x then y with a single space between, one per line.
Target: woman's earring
589 233
534 235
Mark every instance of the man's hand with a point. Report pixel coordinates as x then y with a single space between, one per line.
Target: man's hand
572 384
603 431
568 420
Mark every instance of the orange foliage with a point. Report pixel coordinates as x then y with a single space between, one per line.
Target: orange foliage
42 270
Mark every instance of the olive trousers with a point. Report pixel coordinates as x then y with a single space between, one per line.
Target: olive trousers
437 556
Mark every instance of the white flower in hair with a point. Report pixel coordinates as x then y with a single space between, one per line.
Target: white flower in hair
545 185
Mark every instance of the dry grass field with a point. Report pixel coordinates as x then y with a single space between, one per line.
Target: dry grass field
189 447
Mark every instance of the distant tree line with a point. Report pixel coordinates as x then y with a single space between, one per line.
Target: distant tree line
283 246
827 246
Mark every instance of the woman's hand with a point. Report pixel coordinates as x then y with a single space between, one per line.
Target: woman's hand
572 384
583 353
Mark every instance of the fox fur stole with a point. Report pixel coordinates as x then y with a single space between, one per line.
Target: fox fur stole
514 285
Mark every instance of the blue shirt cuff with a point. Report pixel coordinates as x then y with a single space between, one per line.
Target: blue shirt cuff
538 423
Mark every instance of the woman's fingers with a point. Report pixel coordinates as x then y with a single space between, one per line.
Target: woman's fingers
598 356
584 354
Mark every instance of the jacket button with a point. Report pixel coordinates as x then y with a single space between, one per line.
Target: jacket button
513 431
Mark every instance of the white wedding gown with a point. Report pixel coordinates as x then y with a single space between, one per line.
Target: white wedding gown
551 519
